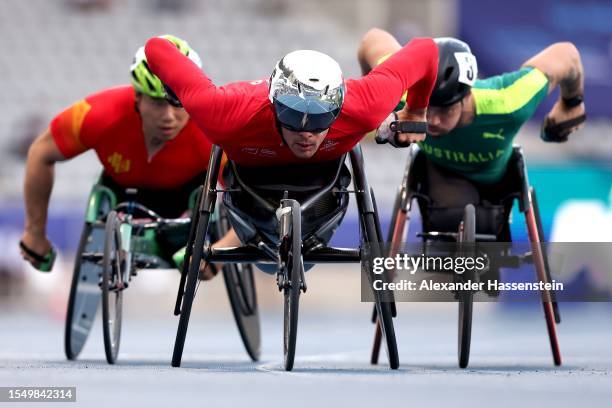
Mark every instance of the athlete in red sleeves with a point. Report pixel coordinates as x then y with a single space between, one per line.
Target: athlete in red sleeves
142 141
305 112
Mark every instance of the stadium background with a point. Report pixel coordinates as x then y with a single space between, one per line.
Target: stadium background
56 52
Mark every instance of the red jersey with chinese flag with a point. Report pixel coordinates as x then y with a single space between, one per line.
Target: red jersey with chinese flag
109 123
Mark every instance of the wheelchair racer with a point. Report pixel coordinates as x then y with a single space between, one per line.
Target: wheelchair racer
304 115
141 140
472 122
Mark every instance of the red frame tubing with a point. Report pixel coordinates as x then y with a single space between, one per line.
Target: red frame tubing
396 240
538 259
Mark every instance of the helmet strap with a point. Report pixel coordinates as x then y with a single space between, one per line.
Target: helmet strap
279 129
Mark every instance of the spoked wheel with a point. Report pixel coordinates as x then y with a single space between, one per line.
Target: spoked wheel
84 297
384 311
467 235
240 284
291 275
113 271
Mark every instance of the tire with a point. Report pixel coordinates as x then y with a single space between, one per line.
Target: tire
291 291
398 215
538 220
113 271
190 287
84 297
383 309
240 284
466 300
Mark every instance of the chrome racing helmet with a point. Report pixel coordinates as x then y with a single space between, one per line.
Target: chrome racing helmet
457 72
307 91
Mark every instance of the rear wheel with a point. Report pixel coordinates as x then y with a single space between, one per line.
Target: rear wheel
84 297
467 235
240 284
113 268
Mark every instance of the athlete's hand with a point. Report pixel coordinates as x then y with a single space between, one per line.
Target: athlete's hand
38 243
561 121
411 116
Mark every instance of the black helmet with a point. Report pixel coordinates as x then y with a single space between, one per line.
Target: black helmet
457 71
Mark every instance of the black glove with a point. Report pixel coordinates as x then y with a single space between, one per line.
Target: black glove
559 132
388 131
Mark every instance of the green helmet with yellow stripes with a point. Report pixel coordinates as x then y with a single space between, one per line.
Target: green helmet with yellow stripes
143 79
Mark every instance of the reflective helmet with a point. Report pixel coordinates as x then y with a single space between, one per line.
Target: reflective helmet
457 71
143 79
307 91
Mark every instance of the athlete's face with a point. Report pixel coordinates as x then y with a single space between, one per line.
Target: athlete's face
303 144
441 121
160 120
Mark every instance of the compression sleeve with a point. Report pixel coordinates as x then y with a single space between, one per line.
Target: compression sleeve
216 110
413 68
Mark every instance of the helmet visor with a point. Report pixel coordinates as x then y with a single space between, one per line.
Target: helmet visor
308 114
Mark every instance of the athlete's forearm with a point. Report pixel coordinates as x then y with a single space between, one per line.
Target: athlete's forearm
37 188
175 69
414 67
562 64
213 108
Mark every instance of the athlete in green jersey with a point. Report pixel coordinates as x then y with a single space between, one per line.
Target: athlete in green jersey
472 122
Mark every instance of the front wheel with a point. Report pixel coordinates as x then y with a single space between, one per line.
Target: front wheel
292 282
113 267
467 235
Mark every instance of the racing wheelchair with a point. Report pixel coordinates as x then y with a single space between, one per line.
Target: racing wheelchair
293 211
483 222
117 241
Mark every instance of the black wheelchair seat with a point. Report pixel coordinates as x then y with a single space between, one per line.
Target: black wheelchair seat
492 211
254 194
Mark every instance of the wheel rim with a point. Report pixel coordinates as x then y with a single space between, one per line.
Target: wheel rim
112 288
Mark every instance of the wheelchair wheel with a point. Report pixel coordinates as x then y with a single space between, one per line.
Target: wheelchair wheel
400 221
467 234
293 270
187 296
84 297
240 284
538 220
384 310
113 268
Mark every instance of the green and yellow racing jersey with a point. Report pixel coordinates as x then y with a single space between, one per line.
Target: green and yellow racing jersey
481 150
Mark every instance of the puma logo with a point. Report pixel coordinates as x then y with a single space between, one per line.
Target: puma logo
498 135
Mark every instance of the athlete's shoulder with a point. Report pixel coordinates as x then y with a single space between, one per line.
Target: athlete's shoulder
110 106
524 75
510 92
118 99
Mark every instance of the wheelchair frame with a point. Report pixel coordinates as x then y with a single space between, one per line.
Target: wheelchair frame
528 205
288 280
